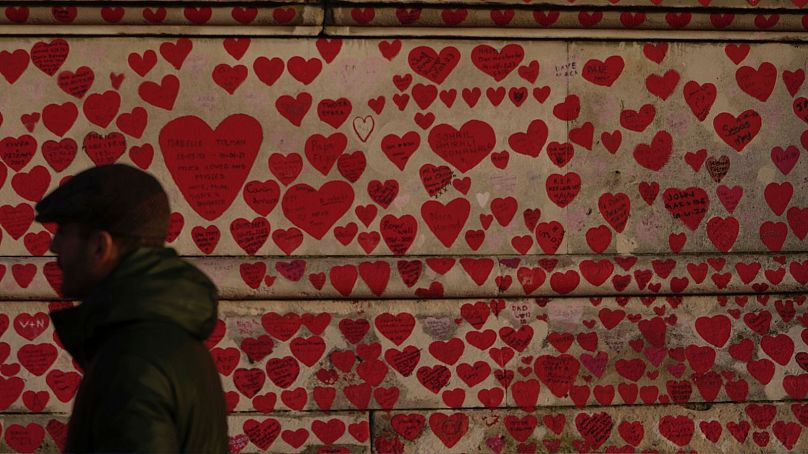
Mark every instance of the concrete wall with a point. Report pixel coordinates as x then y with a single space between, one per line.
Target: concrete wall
579 226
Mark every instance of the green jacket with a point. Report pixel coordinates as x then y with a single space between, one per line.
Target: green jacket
150 384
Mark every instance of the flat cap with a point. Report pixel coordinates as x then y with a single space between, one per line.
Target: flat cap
118 198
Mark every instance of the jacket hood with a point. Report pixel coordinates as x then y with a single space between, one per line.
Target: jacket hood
150 284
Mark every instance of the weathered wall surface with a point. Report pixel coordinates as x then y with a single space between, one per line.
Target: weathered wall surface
496 244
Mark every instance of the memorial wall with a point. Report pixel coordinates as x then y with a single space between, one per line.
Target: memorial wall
490 227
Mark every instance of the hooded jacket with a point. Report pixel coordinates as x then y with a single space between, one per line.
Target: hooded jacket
150 384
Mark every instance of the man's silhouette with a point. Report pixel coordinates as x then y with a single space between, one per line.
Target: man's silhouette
150 384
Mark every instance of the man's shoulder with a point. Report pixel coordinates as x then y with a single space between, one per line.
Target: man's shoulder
158 341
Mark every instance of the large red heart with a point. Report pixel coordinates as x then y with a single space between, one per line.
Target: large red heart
450 429
397 327
63 384
294 108
596 428
176 53
778 196
59 118
408 426
603 73
101 109
250 235
304 70
446 221
104 150
757 83
316 210
32 185
37 358
31 326
403 362
398 233
60 154
262 434
229 77
322 152
798 220
17 152
161 95
49 57
700 98
285 168
638 120
723 232
615 208
654 331
688 205
497 64
352 165
262 196
678 429
24 438
549 236
142 64
282 371
76 83
562 189
558 373
376 275
268 70
308 350
13 64
334 111
531 142
433 65
399 149
463 148
210 166
785 159
657 154
738 131
16 220
247 381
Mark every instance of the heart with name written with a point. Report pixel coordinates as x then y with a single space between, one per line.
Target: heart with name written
317 210
688 205
209 165
463 148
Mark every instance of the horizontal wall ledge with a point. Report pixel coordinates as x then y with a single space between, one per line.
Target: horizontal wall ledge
122 19
420 277
560 33
471 353
419 32
247 4
124 15
249 433
617 4
720 428
168 30
286 14
577 18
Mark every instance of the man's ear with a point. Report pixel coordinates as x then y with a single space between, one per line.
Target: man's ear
104 249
